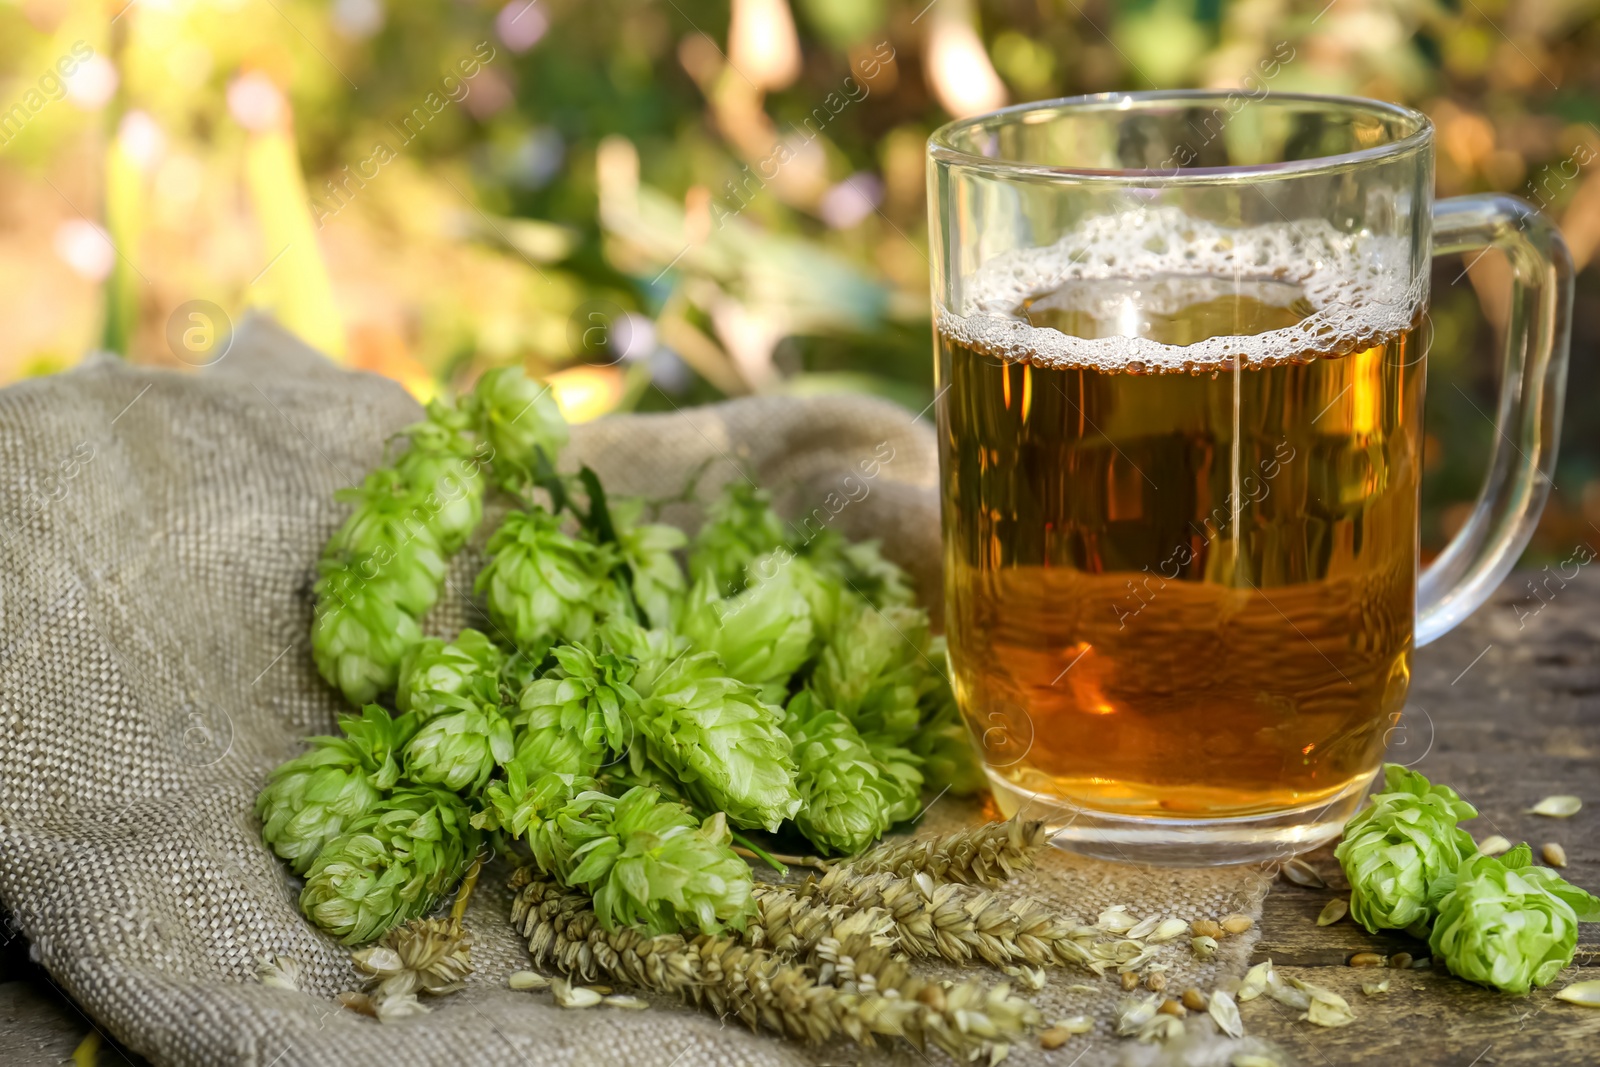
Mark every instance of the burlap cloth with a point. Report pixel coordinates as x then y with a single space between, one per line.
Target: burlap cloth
159 536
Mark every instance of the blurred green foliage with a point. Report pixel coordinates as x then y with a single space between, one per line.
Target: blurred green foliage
661 202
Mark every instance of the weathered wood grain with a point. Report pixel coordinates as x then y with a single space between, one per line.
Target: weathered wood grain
1507 710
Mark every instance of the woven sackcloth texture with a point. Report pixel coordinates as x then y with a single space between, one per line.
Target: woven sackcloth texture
160 531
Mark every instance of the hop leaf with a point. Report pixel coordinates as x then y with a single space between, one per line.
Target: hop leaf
391 865
1399 844
900 772
740 527
438 676
359 636
520 419
312 798
646 861
459 750
841 783
717 737
541 585
444 472
876 669
647 548
573 718
762 634
1507 924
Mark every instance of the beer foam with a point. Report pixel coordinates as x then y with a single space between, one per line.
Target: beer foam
1360 287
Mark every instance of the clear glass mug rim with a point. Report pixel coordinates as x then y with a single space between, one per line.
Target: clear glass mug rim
943 147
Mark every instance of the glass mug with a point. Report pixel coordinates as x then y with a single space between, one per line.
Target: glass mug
1181 352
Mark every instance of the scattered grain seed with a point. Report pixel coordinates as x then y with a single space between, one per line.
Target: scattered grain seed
1237 924
1155 982
1333 911
1194 1000
1583 994
1053 1038
1373 989
1130 981
1169 929
1422 963
359 1003
1400 960
1558 807
933 996
1255 981
1225 1013
1133 1014
1116 920
1205 928
400 1006
1251 1059
1322 1013
1494 845
1302 873
1075 1024
1204 947
568 995
528 980
1161 1028
622 1000
1367 959
1079 987
1145 927
1553 854
1172 1007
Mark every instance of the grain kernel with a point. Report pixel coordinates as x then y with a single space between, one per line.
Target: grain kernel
1054 1037
1400 960
1237 924
1194 1000
1156 982
1172 1007
1367 959
1205 928
1130 981
1554 854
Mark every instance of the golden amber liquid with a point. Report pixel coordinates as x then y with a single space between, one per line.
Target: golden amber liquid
1184 594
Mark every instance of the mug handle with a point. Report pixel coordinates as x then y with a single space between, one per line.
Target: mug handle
1528 422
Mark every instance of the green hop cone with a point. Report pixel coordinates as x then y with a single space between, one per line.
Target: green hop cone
1505 923
389 866
459 750
901 772
651 651
740 527
312 798
575 718
541 585
443 467
1398 845
860 568
520 420
841 783
762 635
646 861
359 636
876 669
387 540
949 761
438 676
647 548
717 737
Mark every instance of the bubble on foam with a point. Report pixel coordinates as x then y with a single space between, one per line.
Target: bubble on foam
1360 287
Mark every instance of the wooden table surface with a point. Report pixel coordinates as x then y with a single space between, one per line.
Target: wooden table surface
1506 709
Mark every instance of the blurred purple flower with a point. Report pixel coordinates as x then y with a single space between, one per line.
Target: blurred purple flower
851 200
